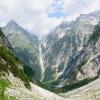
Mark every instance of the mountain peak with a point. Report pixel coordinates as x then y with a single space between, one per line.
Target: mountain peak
96 13
12 23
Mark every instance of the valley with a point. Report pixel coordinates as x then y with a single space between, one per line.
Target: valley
63 65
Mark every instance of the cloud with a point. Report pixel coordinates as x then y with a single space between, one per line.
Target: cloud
40 16
80 6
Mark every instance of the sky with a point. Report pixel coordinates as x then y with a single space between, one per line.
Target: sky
40 16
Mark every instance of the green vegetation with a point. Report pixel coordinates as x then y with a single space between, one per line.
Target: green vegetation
25 47
79 68
96 34
1 33
99 73
82 63
74 85
66 88
30 59
6 97
61 67
42 85
3 85
3 67
12 64
50 74
45 86
30 73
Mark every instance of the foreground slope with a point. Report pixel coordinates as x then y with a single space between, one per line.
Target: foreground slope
19 91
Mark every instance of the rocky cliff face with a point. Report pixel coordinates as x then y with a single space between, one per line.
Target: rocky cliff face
62 47
86 61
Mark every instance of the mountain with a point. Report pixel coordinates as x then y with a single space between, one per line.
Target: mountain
51 57
14 82
25 46
66 61
88 58
85 68
65 43
10 66
9 62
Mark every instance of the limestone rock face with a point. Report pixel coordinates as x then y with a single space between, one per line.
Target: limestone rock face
85 63
62 47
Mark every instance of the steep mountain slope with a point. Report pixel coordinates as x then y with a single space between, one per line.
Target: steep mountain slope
10 64
25 46
14 81
86 63
64 42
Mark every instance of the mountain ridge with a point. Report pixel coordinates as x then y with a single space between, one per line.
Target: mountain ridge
25 46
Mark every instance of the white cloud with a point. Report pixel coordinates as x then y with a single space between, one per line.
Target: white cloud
33 14
80 6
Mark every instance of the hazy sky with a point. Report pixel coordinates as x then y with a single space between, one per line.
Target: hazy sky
39 16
